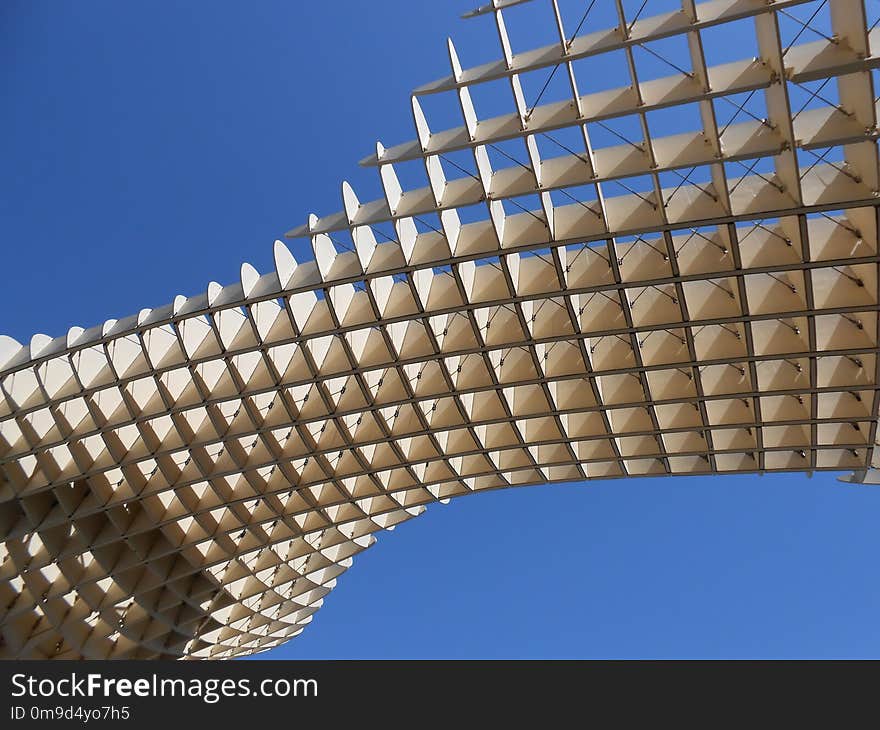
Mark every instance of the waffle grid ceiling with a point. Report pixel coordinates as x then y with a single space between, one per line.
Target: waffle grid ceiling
190 481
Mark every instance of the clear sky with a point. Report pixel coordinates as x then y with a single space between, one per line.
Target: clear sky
151 148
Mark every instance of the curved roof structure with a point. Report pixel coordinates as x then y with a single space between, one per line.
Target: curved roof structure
567 297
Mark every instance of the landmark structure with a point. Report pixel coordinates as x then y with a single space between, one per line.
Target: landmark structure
568 296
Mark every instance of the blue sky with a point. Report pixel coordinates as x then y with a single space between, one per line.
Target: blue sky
150 149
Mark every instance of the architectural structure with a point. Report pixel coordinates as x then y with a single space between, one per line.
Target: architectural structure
569 296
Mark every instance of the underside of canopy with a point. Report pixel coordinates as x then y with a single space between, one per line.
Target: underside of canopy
569 296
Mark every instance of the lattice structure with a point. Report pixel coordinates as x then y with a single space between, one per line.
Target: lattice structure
190 481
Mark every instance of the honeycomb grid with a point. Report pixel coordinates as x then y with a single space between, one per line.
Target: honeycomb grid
191 481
